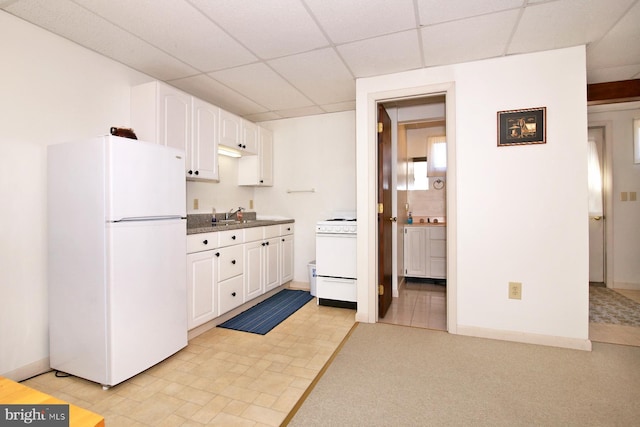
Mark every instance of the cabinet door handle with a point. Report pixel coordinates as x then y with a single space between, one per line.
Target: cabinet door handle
233 294
217 254
262 181
267 243
190 172
197 172
205 242
283 240
233 237
233 261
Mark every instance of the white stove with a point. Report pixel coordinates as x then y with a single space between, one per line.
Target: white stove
336 261
337 226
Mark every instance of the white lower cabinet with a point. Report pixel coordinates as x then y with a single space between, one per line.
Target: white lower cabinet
230 277
286 258
225 269
286 253
230 293
202 298
262 261
425 252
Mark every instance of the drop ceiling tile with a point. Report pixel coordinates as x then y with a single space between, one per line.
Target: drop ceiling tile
565 23
204 87
261 84
620 46
383 55
346 21
437 11
177 28
269 28
83 27
262 117
300 112
320 74
340 106
469 39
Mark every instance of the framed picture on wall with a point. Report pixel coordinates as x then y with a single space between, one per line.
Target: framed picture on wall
522 127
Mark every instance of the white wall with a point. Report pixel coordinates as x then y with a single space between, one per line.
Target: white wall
222 195
625 175
520 212
315 152
51 90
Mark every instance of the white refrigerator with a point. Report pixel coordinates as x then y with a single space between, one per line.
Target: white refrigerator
117 257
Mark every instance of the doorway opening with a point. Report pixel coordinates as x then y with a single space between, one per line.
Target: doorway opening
416 254
597 217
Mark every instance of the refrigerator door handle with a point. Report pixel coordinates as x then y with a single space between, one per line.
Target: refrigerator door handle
148 218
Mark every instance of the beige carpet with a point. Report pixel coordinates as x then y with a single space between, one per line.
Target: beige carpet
388 375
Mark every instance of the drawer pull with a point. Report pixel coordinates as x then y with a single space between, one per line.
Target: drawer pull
263 243
205 242
217 254
233 261
233 237
233 294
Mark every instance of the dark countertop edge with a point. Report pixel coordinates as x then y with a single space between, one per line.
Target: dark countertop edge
256 223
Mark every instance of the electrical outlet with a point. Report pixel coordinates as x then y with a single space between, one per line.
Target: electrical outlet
195 203
515 290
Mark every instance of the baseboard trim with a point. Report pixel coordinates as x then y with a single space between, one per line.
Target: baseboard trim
624 285
526 338
27 371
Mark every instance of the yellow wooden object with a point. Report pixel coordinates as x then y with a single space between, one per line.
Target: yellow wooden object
15 393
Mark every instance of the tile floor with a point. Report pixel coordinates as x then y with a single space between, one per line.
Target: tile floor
419 304
222 377
617 334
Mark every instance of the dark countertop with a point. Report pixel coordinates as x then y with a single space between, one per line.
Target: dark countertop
201 223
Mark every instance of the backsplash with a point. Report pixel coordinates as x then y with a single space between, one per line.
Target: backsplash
204 220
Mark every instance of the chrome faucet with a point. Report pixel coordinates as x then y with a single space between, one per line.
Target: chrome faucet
231 212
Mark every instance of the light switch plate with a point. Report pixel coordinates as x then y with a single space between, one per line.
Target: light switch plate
623 196
632 196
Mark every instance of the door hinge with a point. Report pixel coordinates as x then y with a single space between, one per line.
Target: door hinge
380 127
380 289
380 208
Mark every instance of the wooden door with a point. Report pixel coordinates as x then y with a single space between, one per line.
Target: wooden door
384 212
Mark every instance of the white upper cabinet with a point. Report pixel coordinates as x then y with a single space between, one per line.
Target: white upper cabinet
204 144
249 138
165 115
230 130
238 134
258 170
161 114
